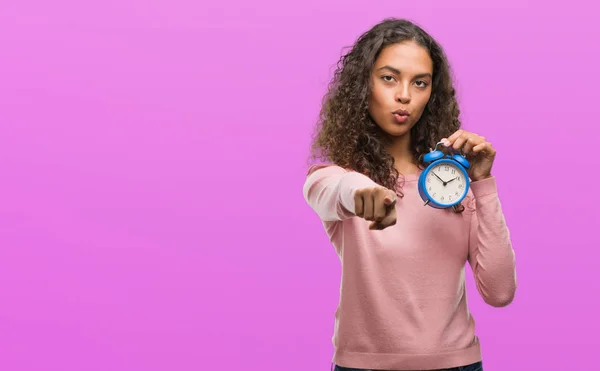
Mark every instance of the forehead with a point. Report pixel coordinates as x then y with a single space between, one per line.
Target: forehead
407 57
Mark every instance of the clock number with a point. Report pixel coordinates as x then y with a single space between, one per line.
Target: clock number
460 186
447 168
453 171
442 198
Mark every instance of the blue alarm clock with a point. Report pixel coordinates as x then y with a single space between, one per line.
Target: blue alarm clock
444 182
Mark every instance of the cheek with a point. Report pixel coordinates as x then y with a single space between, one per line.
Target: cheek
423 102
419 108
375 102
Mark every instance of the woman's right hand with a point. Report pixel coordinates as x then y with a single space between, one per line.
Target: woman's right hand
376 204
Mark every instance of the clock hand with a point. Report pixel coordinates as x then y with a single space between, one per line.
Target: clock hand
439 178
451 180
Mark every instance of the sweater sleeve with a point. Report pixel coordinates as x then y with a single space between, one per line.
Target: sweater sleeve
329 190
491 255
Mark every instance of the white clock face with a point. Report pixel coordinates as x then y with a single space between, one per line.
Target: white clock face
446 183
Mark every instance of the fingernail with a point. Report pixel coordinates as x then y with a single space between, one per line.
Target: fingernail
445 142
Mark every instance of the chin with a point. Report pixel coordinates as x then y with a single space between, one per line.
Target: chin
397 130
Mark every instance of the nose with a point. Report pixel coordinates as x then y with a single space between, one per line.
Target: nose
403 94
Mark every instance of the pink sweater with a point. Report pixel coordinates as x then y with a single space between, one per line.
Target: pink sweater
403 304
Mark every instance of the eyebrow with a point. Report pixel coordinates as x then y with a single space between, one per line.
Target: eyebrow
397 71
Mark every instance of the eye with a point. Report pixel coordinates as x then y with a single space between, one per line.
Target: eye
421 83
388 78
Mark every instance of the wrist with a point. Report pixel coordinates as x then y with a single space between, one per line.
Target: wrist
480 178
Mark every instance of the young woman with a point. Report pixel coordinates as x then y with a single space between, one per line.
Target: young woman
402 302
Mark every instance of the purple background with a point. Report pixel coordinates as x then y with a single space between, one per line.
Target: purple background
152 161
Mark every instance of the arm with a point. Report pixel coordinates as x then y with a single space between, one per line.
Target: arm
329 190
491 255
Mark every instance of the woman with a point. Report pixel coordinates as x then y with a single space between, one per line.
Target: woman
402 302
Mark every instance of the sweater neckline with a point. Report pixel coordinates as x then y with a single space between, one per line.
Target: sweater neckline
413 177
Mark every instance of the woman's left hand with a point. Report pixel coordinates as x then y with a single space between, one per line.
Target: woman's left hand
476 149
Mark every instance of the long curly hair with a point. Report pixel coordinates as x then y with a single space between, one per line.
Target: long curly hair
346 134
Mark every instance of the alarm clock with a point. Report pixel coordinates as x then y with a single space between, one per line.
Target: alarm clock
444 182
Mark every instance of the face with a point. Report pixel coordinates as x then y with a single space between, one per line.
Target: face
401 86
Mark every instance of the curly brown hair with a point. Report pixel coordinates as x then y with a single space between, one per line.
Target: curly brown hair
346 134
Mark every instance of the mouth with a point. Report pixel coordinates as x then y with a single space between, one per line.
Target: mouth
401 112
400 115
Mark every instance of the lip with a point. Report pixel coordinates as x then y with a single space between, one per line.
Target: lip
401 112
400 119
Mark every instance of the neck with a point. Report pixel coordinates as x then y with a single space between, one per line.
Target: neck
404 160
